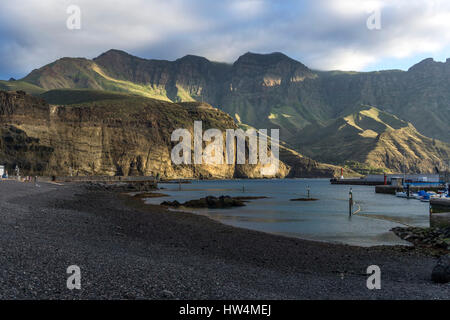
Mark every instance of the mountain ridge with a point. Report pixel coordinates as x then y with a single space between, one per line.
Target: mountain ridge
265 90
374 139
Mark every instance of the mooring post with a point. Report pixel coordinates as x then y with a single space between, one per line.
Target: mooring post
350 202
179 184
243 188
308 188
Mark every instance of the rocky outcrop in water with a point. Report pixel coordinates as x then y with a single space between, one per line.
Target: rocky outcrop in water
135 186
207 202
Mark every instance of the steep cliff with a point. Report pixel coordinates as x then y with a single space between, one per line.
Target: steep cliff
115 134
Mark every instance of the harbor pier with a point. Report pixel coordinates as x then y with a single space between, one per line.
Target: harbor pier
389 189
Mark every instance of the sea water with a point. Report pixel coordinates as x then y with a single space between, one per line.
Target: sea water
326 219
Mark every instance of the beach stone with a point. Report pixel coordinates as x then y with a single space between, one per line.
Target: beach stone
441 272
434 238
168 294
174 203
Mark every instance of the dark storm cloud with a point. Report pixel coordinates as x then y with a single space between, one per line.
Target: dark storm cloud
324 34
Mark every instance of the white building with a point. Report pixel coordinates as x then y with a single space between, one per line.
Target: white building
2 170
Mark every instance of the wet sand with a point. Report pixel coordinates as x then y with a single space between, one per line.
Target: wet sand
128 250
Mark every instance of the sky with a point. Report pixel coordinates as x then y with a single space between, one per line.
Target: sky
359 35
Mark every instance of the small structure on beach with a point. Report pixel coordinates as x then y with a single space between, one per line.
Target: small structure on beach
440 212
2 170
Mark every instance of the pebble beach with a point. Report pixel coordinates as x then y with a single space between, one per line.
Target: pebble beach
128 250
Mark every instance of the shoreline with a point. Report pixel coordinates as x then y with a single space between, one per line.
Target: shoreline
130 250
252 218
194 211
185 210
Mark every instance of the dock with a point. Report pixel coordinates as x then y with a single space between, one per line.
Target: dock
389 189
392 183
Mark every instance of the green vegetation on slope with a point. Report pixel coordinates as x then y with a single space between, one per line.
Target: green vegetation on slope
20 86
76 96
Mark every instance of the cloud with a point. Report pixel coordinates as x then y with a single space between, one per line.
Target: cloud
408 28
324 34
247 8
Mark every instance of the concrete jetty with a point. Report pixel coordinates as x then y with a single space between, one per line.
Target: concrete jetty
393 189
389 179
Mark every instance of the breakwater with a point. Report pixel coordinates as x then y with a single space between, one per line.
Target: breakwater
356 182
98 178
393 189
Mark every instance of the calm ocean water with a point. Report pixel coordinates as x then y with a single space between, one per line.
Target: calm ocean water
323 220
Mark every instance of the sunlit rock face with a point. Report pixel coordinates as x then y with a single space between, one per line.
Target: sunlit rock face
129 136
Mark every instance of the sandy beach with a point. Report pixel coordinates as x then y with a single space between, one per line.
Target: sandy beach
128 250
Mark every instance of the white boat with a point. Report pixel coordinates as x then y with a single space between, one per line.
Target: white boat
401 194
405 195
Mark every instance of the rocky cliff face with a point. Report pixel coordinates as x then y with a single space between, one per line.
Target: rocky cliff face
128 136
186 79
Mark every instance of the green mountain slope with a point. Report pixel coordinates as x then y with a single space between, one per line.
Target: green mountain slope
86 74
74 96
20 85
266 90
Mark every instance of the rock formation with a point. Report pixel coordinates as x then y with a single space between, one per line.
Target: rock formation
127 135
